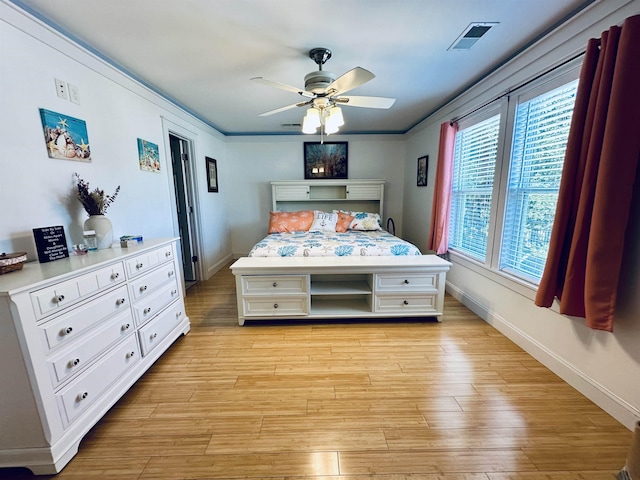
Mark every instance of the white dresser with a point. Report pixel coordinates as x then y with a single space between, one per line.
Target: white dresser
75 334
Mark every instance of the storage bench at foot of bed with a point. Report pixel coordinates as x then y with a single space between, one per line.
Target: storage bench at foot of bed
277 288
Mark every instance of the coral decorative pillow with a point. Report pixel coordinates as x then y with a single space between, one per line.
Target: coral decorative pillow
344 220
324 222
289 222
364 221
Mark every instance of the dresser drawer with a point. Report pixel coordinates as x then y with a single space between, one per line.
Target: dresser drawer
145 286
53 299
392 282
76 397
274 284
142 263
147 308
398 304
157 329
71 325
71 360
275 306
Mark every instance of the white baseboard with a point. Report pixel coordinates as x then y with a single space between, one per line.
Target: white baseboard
218 265
622 411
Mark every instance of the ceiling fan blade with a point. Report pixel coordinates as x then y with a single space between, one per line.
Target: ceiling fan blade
350 80
366 102
282 109
283 86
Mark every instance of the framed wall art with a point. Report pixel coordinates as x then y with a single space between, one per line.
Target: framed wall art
148 156
423 169
66 137
212 174
325 160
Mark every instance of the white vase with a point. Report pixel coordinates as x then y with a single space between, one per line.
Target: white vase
103 228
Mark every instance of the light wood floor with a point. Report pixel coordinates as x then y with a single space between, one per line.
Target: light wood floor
423 400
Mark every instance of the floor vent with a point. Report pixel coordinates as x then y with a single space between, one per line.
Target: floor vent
471 35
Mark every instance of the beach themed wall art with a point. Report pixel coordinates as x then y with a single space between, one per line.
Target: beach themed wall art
149 156
65 137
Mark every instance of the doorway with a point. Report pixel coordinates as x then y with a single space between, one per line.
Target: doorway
182 182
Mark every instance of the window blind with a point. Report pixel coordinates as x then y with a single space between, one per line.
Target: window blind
472 185
540 137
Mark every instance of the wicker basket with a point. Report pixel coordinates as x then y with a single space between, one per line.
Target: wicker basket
10 262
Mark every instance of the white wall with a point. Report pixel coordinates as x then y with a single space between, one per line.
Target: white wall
37 191
604 366
259 160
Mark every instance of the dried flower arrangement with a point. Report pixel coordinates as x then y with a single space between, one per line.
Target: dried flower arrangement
95 202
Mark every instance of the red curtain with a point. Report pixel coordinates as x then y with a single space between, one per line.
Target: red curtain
587 239
441 206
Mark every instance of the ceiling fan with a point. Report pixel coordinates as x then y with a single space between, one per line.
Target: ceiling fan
324 91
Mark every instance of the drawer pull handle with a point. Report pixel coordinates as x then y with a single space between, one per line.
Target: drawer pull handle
125 327
82 396
405 302
167 254
59 298
67 331
146 310
143 288
406 282
139 265
178 314
120 301
171 273
275 305
74 362
115 275
275 284
130 354
153 335
173 292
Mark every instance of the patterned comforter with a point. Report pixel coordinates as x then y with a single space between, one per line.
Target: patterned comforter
332 244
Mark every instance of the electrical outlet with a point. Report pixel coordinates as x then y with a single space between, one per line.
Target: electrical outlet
61 89
74 94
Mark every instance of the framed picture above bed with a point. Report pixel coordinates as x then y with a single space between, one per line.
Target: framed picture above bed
325 160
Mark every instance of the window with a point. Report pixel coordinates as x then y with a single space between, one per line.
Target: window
508 160
539 142
474 167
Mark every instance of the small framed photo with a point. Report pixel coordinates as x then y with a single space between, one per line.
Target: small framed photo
423 169
325 160
212 174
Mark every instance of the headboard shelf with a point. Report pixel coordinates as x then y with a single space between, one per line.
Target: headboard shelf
355 195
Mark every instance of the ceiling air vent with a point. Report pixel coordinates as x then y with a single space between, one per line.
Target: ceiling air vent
471 35
291 126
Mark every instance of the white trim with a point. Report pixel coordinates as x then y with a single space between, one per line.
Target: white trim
590 388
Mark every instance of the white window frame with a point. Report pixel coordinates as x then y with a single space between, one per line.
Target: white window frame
507 107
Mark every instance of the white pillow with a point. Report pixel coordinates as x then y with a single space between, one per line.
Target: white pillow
324 222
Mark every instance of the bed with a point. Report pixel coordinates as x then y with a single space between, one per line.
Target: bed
333 261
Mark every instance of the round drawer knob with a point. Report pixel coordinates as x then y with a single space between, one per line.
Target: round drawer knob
82 396
275 305
60 298
125 327
167 254
405 302
114 276
178 314
171 273
146 310
275 284
120 301
173 292
74 362
130 354
154 335
139 265
406 282
143 288
67 331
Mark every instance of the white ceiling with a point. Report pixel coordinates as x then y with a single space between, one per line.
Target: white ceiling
202 53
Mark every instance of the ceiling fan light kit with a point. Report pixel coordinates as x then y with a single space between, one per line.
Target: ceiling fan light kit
324 90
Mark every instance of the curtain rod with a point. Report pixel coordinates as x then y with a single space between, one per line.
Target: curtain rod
522 85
